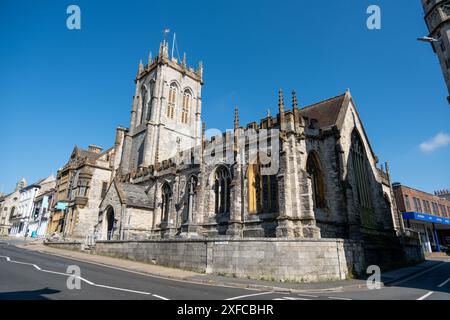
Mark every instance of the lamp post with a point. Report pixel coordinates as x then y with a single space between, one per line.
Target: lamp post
427 39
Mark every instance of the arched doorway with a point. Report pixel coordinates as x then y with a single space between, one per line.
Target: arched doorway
110 224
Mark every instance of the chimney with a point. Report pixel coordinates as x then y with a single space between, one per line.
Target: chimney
95 149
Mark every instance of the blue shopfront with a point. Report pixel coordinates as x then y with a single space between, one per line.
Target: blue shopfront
434 230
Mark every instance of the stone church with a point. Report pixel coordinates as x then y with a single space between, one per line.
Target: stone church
307 172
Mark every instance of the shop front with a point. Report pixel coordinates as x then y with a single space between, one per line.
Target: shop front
434 230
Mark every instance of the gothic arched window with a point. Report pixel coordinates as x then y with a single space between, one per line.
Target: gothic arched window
172 101
11 214
361 176
262 191
140 159
191 191
166 197
222 182
143 103
149 103
186 106
314 170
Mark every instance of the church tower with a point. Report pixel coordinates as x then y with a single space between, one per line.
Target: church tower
437 18
166 111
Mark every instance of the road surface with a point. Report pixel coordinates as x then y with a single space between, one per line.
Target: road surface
26 274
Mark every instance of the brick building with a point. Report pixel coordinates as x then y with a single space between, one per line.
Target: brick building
428 214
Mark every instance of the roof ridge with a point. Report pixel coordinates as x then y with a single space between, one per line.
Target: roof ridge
322 101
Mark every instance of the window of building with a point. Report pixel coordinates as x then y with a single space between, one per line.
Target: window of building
435 208
83 187
143 103
426 206
166 199
186 106
222 182
11 213
407 204
104 189
443 211
313 167
361 175
262 191
172 101
417 204
150 96
191 192
140 159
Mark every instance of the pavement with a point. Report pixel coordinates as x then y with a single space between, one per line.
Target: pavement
36 271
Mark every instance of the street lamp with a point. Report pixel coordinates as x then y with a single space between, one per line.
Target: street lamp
427 39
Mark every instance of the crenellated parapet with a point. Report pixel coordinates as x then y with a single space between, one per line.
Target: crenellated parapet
163 59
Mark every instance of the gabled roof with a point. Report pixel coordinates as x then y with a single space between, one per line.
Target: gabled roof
133 195
84 153
326 112
331 112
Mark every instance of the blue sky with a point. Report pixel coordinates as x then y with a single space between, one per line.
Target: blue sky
60 88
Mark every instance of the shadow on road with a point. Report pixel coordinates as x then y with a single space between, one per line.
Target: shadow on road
28 295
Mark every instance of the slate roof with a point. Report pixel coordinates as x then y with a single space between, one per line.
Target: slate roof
88 154
325 112
133 195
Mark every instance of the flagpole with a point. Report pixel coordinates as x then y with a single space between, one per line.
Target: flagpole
173 43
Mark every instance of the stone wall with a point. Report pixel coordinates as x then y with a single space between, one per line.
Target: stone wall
75 246
299 260
306 260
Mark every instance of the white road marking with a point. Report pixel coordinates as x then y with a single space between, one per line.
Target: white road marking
159 297
307 295
292 298
444 283
121 289
83 279
338 298
18 262
426 296
54 272
87 281
250 295
141 273
279 299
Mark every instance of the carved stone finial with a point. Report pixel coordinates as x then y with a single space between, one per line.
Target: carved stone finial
200 69
150 58
281 108
294 100
184 60
141 67
280 100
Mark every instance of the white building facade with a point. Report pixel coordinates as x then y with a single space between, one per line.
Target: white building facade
20 221
38 221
